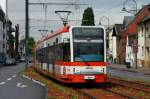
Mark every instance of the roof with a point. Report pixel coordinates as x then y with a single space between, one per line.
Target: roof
132 27
146 19
2 15
117 29
55 33
127 20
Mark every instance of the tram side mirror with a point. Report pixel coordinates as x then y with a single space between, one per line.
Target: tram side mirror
66 40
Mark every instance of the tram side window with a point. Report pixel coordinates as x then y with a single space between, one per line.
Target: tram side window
46 55
58 52
66 52
42 55
50 55
38 55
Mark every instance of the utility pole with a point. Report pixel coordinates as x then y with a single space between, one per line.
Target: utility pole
16 40
26 31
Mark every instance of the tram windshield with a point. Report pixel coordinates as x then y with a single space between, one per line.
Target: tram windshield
88 45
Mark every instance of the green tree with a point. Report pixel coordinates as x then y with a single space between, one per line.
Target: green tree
30 47
88 17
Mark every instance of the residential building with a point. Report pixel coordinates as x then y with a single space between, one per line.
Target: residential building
2 37
10 39
145 24
129 38
141 45
114 39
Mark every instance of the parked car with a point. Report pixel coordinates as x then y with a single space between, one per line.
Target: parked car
10 61
22 60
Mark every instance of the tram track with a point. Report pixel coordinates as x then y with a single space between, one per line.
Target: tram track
106 90
131 84
123 86
90 93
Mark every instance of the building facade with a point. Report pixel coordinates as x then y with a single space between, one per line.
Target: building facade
2 37
141 45
147 44
145 24
129 38
114 39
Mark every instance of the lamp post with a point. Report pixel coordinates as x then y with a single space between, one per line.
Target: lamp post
135 44
26 30
130 11
106 19
107 30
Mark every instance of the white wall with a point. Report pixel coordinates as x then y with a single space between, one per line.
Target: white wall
1 37
130 56
3 5
141 43
114 47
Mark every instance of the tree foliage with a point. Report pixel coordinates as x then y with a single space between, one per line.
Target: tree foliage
88 17
30 47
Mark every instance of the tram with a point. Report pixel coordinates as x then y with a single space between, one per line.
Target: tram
73 54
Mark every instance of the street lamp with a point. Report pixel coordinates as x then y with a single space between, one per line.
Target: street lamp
100 23
107 30
130 11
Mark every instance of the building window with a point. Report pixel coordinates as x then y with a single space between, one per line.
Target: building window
147 48
56 40
3 36
3 45
142 31
142 51
146 32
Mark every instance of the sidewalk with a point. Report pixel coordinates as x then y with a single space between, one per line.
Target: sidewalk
132 69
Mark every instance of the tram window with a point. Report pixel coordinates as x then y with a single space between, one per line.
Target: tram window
66 52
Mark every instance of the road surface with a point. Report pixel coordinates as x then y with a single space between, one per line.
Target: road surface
14 86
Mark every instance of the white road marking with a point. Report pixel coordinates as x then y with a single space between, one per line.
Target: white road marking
35 81
26 77
2 83
23 86
14 76
9 79
20 85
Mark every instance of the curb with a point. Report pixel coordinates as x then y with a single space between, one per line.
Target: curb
38 82
134 71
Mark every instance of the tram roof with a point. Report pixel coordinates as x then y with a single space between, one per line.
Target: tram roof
65 29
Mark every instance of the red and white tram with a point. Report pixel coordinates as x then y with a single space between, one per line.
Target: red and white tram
75 54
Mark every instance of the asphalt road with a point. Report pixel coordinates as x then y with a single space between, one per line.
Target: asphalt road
128 74
14 86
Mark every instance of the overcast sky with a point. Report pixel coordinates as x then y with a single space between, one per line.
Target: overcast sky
109 8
